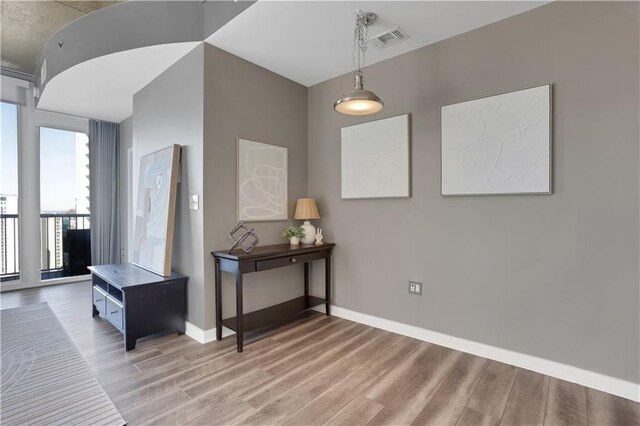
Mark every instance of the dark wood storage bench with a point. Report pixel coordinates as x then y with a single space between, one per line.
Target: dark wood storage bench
263 258
137 302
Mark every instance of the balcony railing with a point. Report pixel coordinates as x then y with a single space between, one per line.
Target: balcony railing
57 244
9 249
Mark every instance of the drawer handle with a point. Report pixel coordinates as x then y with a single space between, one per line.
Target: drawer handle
293 260
99 300
114 312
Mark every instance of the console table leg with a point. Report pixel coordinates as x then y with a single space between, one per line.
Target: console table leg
181 329
129 343
327 283
306 278
218 285
239 311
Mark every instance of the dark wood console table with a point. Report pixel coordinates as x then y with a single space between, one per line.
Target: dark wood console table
263 258
137 302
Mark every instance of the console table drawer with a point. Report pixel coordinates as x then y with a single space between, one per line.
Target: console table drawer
262 265
114 313
100 300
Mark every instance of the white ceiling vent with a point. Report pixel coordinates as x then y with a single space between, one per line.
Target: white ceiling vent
388 38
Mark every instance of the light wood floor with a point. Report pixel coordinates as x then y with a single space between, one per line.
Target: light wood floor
319 370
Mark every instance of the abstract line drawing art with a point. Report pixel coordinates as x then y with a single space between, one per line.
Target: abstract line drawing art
155 212
262 181
375 159
498 145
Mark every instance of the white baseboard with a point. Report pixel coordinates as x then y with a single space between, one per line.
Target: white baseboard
204 336
601 382
19 285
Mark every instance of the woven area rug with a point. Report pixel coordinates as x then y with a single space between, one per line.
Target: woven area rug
45 380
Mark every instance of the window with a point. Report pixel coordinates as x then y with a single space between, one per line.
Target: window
64 203
9 247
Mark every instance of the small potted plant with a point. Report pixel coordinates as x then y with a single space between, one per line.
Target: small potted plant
293 234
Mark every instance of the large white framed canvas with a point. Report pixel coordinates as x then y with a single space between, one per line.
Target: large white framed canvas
155 211
375 159
262 181
498 145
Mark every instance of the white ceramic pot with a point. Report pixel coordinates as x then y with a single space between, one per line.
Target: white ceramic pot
309 233
294 241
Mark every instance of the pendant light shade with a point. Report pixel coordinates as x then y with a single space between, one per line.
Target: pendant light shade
359 101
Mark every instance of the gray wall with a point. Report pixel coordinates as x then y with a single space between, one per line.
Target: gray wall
204 102
170 111
126 142
245 100
551 276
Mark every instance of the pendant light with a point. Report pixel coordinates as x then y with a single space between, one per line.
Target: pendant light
359 101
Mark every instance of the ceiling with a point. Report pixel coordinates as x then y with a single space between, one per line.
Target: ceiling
306 41
311 41
26 26
103 88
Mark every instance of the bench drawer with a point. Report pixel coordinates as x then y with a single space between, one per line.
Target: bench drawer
115 313
100 300
263 265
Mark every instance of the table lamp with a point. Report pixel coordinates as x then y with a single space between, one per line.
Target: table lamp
306 209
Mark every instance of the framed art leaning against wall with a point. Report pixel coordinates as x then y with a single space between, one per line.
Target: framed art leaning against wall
156 209
498 145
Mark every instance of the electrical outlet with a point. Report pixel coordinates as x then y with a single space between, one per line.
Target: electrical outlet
415 288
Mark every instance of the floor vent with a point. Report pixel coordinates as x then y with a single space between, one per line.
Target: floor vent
388 38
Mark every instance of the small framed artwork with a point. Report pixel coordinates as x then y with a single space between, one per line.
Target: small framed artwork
375 159
262 181
499 145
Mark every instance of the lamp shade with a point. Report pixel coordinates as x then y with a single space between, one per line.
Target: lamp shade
306 209
358 102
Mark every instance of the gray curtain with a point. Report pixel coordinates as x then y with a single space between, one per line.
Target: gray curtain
104 141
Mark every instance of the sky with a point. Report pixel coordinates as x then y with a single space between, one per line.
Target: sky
57 170
57 163
9 150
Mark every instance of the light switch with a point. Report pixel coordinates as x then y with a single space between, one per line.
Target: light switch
193 202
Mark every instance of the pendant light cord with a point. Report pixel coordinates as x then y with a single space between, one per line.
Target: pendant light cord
360 39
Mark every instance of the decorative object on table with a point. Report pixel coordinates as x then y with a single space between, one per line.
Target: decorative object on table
306 209
293 234
376 159
319 237
155 212
262 181
498 145
360 101
243 237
